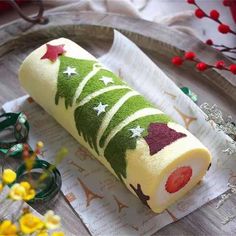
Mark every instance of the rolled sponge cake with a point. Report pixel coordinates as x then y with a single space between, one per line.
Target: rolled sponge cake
158 160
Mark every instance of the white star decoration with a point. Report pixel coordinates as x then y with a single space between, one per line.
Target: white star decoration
106 80
70 71
100 108
136 132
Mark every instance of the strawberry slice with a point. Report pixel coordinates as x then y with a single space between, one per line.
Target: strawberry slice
178 179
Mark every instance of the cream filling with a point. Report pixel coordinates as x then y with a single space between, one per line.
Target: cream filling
197 165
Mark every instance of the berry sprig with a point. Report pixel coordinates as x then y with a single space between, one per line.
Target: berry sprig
222 48
222 28
202 66
213 15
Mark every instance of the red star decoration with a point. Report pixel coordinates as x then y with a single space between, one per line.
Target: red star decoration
53 51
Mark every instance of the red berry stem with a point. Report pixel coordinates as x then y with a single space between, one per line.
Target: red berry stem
208 66
202 66
225 48
214 15
222 48
228 50
233 58
232 32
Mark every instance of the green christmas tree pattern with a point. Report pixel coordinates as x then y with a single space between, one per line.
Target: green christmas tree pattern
106 89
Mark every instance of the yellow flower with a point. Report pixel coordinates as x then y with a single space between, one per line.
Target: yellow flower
1 187
29 191
7 228
8 176
22 191
30 223
40 144
17 192
42 233
52 221
58 234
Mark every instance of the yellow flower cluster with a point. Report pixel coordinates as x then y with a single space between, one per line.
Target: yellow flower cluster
19 191
27 223
22 191
31 224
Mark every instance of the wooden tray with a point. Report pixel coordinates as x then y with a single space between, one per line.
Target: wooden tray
94 31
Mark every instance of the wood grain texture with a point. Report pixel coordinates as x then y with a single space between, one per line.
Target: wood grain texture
94 32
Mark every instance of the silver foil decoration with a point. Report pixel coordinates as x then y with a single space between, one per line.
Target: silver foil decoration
226 125
223 199
228 219
222 124
226 196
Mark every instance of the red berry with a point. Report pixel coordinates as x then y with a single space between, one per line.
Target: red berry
199 13
201 66
191 1
220 65
209 42
189 55
224 29
25 153
37 151
214 14
177 61
232 68
227 3
178 179
26 147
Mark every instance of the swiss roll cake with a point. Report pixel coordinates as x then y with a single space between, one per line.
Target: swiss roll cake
158 160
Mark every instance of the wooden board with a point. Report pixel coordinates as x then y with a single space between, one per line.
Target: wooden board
94 31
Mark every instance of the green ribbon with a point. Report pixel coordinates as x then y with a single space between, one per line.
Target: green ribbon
20 129
189 93
48 190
